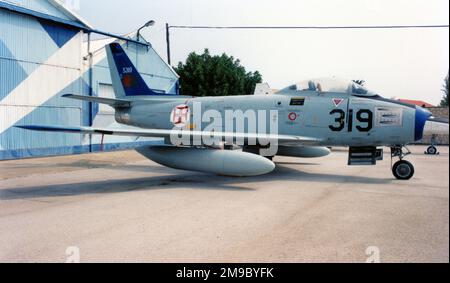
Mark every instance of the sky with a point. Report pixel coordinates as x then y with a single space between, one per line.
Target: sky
409 64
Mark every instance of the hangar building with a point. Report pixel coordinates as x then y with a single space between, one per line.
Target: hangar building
45 52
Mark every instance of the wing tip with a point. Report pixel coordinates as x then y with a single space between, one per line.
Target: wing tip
24 127
39 128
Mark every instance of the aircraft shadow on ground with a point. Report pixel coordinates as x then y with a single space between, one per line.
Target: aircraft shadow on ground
179 180
82 164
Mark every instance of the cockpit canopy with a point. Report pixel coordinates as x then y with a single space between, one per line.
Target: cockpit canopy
332 85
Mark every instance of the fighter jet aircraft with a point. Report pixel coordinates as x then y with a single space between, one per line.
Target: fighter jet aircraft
303 121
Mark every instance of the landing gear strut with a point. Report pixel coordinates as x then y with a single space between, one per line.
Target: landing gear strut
402 170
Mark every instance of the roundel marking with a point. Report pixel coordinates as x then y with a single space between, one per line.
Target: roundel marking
180 116
293 116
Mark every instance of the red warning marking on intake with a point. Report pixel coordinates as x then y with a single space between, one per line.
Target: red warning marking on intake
337 101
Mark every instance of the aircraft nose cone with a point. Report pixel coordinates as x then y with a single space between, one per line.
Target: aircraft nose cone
422 116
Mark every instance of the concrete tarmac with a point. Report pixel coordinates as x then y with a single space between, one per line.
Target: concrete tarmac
119 207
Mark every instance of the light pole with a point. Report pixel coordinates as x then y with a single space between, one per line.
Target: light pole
168 43
147 24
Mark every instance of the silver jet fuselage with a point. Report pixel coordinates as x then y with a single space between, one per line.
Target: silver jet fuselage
201 134
338 119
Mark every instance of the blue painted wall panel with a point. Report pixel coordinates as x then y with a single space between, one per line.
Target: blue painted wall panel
59 34
25 44
57 110
11 72
13 138
29 40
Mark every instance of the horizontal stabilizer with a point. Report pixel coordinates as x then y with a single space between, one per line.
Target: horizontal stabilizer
116 103
281 139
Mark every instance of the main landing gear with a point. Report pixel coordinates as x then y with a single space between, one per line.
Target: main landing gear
402 169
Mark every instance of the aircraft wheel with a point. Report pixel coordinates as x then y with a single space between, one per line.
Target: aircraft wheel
432 150
403 170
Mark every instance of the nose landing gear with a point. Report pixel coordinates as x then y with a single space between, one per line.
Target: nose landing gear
402 169
432 150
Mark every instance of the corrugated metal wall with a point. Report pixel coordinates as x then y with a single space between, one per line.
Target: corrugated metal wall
39 62
41 6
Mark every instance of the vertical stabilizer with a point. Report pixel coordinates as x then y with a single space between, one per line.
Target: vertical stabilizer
125 77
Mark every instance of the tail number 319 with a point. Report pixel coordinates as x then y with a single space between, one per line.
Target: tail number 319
364 119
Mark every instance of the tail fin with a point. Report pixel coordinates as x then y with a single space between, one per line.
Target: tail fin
125 77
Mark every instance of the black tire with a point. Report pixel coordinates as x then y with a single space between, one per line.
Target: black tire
403 170
432 150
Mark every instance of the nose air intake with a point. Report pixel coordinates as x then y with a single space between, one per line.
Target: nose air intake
422 116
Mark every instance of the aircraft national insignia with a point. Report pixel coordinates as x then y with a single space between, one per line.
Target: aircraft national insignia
337 101
293 116
180 116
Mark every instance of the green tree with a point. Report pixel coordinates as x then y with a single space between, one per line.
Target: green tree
206 75
444 102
